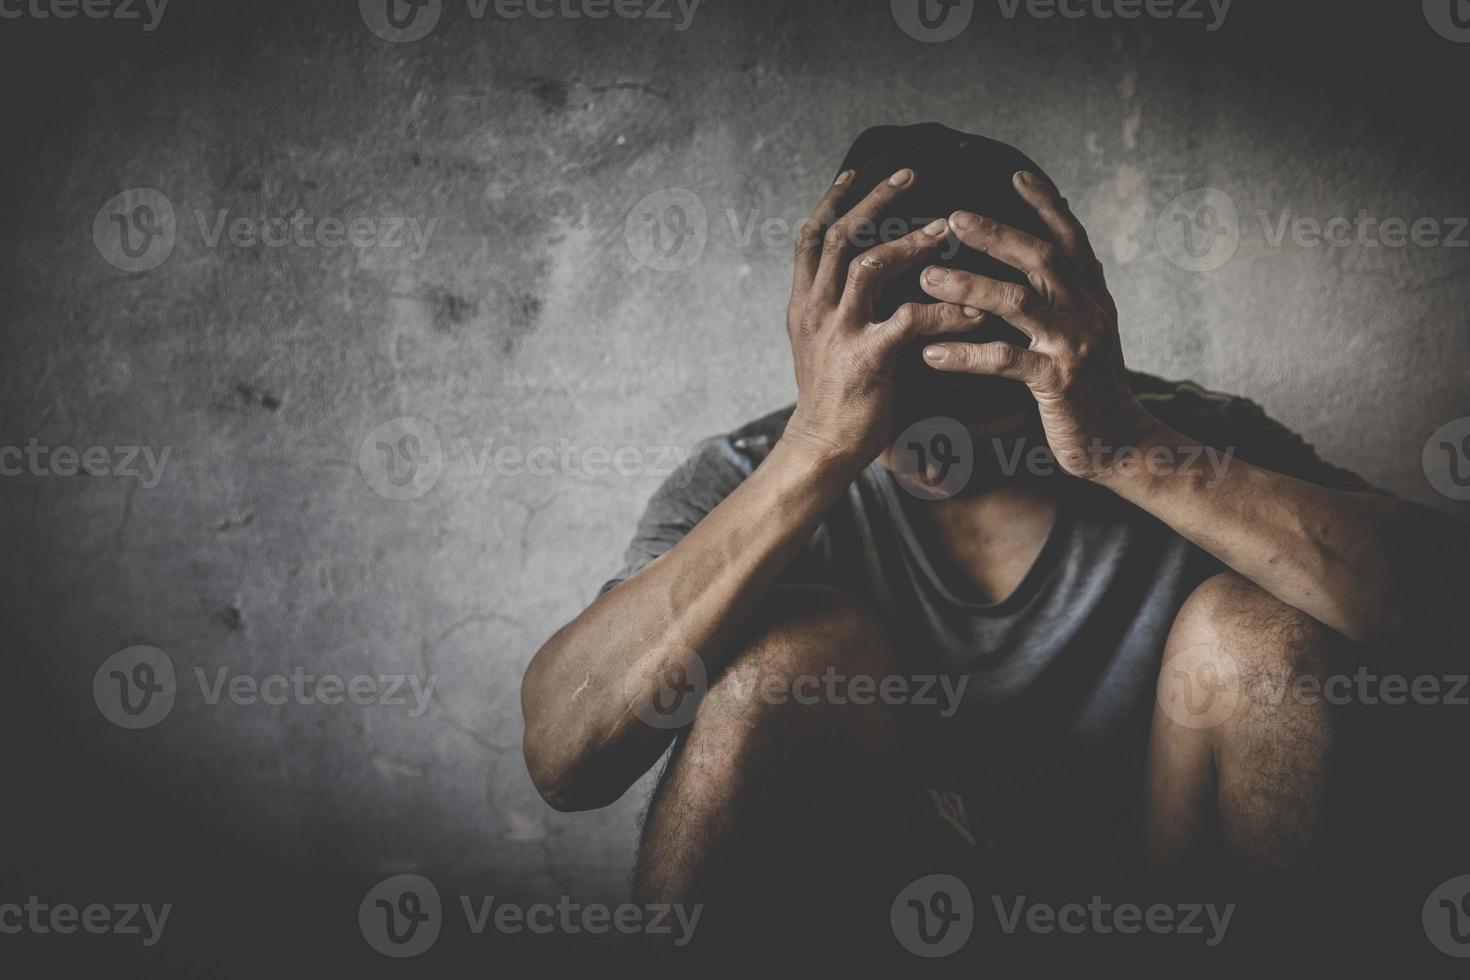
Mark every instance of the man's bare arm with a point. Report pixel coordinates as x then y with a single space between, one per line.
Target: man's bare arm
588 688
1378 570
1381 571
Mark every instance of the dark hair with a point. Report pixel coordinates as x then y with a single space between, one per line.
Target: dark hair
956 171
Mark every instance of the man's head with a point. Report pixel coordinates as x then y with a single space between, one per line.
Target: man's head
956 171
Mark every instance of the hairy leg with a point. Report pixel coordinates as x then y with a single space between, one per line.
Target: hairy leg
768 802
1236 777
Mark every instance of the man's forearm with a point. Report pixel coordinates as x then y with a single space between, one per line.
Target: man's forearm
1380 571
583 693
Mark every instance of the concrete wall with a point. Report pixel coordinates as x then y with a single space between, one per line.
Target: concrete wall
528 320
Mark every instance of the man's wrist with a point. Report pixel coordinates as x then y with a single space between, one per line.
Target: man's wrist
1154 453
818 460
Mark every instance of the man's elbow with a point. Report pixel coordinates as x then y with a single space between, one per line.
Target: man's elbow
551 777
560 766
563 778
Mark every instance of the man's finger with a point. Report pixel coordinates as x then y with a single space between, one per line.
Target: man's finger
923 320
809 235
839 241
996 358
1042 261
879 264
1018 305
1063 225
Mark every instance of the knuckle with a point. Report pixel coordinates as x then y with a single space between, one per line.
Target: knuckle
835 240
1047 255
1015 298
808 235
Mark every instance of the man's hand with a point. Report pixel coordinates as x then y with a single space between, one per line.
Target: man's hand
844 360
1074 366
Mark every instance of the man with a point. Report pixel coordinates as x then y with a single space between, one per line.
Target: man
1117 615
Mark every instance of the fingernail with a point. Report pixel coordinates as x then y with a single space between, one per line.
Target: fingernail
972 313
962 219
844 177
935 276
935 354
935 228
902 177
1027 177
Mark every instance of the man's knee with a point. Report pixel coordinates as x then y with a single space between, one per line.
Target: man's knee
804 633
777 729
1245 654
